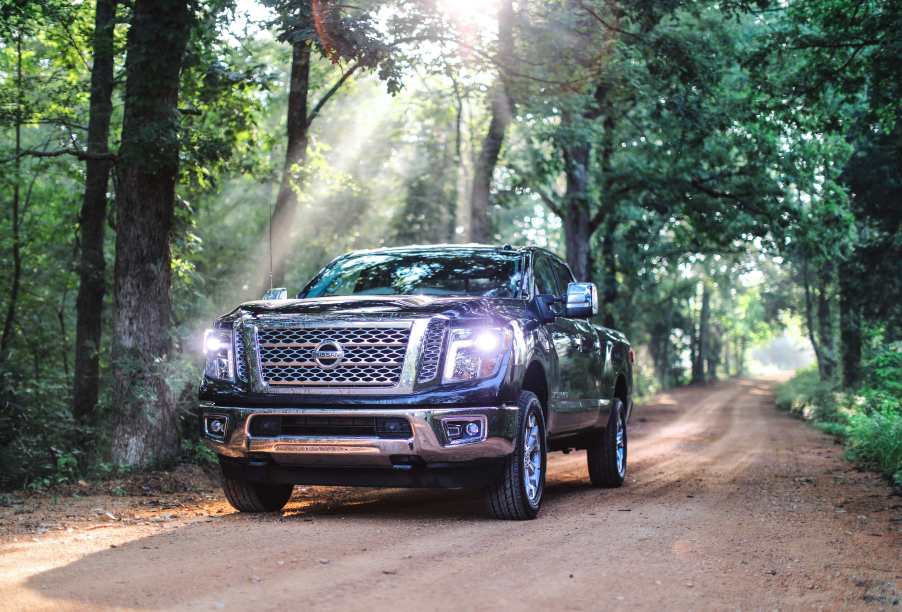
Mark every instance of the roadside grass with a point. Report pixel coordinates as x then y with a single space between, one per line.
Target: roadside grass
868 420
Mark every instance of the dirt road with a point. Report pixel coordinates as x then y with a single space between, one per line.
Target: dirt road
729 505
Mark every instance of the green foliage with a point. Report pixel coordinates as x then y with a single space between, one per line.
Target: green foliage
807 396
198 452
732 153
832 428
868 419
883 383
874 439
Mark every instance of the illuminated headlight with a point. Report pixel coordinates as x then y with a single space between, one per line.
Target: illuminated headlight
220 363
475 353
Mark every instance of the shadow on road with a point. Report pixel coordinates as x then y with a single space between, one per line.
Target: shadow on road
191 561
321 530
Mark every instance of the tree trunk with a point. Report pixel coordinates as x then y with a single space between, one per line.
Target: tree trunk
577 210
578 220
712 357
849 327
693 344
809 315
502 114
91 269
702 341
609 289
825 323
9 320
659 345
285 213
740 355
727 366
146 426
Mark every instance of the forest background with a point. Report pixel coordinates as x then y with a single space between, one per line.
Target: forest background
728 172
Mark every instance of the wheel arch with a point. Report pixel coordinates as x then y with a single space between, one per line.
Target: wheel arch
535 379
622 392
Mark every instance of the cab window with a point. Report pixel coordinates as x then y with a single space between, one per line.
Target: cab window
546 281
563 276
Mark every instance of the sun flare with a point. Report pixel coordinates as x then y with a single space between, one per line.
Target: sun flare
471 14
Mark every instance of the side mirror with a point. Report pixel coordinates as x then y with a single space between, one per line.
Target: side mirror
582 300
276 293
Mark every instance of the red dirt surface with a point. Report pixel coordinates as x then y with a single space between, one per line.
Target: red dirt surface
729 504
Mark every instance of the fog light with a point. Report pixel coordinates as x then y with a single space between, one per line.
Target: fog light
215 426
464 430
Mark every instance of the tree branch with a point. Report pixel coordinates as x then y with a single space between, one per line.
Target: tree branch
78 153
699 185
332 90
550 203
607 25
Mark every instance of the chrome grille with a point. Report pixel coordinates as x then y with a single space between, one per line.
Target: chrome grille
240 359
432 350
372 356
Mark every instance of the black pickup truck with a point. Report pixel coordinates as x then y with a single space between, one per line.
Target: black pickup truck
422 366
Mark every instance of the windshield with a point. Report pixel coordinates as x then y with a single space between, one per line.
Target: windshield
437 272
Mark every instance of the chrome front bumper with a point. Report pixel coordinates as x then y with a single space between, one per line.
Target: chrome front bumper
427 444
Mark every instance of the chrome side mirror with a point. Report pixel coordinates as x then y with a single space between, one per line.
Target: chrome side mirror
582 300
276 293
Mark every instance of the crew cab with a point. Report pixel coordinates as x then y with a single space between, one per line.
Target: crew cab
423 366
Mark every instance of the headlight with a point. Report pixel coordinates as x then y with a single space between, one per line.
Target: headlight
218 351
475 353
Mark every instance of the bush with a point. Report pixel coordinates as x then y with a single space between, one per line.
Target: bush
883 380
869 418
832 428
38 437
805 395
874 440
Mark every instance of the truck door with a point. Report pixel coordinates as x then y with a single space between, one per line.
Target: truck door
587 361
564 398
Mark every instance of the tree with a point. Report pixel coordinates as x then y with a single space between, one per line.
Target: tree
502 113
654 116
832 67
338 33
701 351
15 209
146 425
92 266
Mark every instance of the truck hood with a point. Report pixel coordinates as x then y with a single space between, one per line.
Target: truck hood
393 306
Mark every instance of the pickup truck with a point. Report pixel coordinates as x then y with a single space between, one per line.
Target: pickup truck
443 366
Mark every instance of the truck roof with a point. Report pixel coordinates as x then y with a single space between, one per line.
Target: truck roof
453 246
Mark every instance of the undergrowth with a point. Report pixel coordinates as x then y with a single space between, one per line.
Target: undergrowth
868 419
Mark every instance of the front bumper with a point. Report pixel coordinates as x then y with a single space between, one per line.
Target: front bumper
428 443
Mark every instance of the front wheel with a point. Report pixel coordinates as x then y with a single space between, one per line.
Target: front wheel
247 496
518 494
607 455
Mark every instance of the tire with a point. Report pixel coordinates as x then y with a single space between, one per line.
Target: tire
605 468
247 496
517 496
